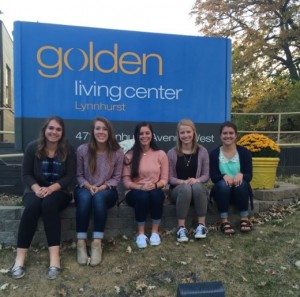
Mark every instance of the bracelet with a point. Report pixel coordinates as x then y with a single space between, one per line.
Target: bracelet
155 185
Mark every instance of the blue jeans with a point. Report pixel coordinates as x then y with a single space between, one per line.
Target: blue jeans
98 204
145 201
224 195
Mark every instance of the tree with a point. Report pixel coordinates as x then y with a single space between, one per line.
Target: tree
266 33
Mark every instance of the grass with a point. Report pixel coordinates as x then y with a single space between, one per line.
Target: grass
261 263
292 179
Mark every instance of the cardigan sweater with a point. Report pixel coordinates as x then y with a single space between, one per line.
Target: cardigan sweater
245 165
202 174
32 169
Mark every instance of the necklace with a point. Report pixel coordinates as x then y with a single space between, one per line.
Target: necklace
187 161
145 152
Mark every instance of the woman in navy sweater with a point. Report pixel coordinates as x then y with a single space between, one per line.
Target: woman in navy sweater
48 170
231 173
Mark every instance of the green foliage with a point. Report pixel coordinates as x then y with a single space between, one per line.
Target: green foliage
265 57
266 33
269 96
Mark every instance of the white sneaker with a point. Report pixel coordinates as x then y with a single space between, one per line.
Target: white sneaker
182 235
141 241
200 231
155 239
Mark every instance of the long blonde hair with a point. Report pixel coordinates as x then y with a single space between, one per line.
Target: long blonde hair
189 123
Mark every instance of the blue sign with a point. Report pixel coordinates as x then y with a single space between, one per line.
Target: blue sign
80 73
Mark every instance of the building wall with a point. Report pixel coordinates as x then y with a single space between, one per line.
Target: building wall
7 93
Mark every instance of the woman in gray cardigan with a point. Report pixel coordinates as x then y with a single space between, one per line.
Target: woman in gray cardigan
188 170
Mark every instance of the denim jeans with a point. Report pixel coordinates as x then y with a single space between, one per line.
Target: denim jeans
224 195
145 202
97 204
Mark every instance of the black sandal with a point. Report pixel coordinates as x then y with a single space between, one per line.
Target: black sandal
227 229
245 226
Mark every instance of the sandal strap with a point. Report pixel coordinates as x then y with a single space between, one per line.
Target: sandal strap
245 223
225 227
245 226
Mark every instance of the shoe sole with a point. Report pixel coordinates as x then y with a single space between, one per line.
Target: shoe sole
18 277
182 240
155 243
95 264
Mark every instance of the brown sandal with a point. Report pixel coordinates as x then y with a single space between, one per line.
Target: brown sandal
227 229
245 226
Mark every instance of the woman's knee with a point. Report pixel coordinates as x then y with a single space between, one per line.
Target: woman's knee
243 187
181 192
157 195
139 197
222 185
31 200
105 198
55 202
222 188
82 194
184 189
199 189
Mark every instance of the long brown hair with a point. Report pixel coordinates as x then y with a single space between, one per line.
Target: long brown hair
111 145
189 123
137 150
62 149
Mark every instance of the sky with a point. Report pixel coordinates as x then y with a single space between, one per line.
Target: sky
158 16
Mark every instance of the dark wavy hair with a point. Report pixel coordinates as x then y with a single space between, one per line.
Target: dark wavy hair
137 149
62 148
111 146
228 124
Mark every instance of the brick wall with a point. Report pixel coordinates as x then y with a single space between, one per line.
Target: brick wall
121 219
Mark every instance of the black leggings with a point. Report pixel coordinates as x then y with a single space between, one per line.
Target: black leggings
49 209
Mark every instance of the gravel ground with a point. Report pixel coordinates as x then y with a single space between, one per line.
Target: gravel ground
10 199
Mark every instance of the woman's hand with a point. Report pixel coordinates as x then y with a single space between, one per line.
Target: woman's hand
148 187
43 192
238 179
228 180
191 181
101 188
94 189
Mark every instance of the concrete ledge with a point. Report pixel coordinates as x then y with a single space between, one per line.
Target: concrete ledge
121 220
